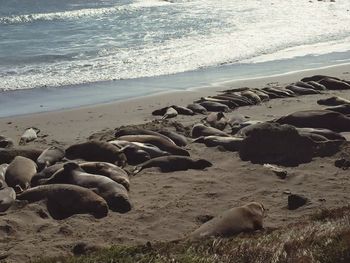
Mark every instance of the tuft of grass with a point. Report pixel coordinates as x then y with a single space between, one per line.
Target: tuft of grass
324 238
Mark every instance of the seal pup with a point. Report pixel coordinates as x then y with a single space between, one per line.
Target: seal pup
333 101
65 200
216 120
214 106
170 113
20 172
247 218
49 157
6 142
317 119
96 151
161 143
202 130
29 135
114 193
197 108
174 163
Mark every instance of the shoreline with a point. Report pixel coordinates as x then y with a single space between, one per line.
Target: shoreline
83 120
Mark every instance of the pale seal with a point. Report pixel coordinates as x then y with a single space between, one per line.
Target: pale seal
247 218
50 156
20 172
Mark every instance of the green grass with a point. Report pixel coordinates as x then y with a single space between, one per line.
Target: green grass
324 238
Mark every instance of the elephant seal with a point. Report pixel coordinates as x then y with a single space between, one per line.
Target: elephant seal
20 172
252 96
214 106
316 78
174 163
343 109
215 99
111 171
7 197
49 157
229 143
202 130
262 95
3 168
29 135
6 142
316 85
307 85
7 155
114 193
96 151
170 113
161 143
64 200
243 128
182 110
152 150
247 218
301 90
45 173
317 119
136 131
217 120
333 101
197 108
134 155
178 139
234 99
328 134
279 93
334 84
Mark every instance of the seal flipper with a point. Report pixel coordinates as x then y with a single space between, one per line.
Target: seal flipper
56 210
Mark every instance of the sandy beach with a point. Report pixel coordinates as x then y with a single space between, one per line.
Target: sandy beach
166 206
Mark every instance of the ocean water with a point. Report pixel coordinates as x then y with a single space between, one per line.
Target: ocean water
141 46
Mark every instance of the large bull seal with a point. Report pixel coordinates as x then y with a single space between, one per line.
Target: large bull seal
115 194
65 200
96 151
20 172
174 163
317 119
245 218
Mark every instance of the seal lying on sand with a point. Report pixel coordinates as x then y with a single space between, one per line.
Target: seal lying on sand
20 172
7 197
245 218
161 143
217 120
135 131
96 151
344 109
317 119
115 194
178 139
65 200
49 157
229 143
333 101
197 108
6 142
174 163
7 155
152 150
199 130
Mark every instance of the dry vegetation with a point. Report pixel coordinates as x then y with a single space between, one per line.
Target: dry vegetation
324 237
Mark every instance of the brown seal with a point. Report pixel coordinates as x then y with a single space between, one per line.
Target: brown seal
197 108
317 119
7 155
228 143
137 131
96 151
333 101
199 130
111 171
217 120
161 143
236 220
64 200
20 172
114 193
7 197
49 157
178 139
174 163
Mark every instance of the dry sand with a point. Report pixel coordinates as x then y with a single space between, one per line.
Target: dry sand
166 205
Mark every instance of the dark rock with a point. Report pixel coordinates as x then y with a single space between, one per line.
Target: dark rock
295 201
